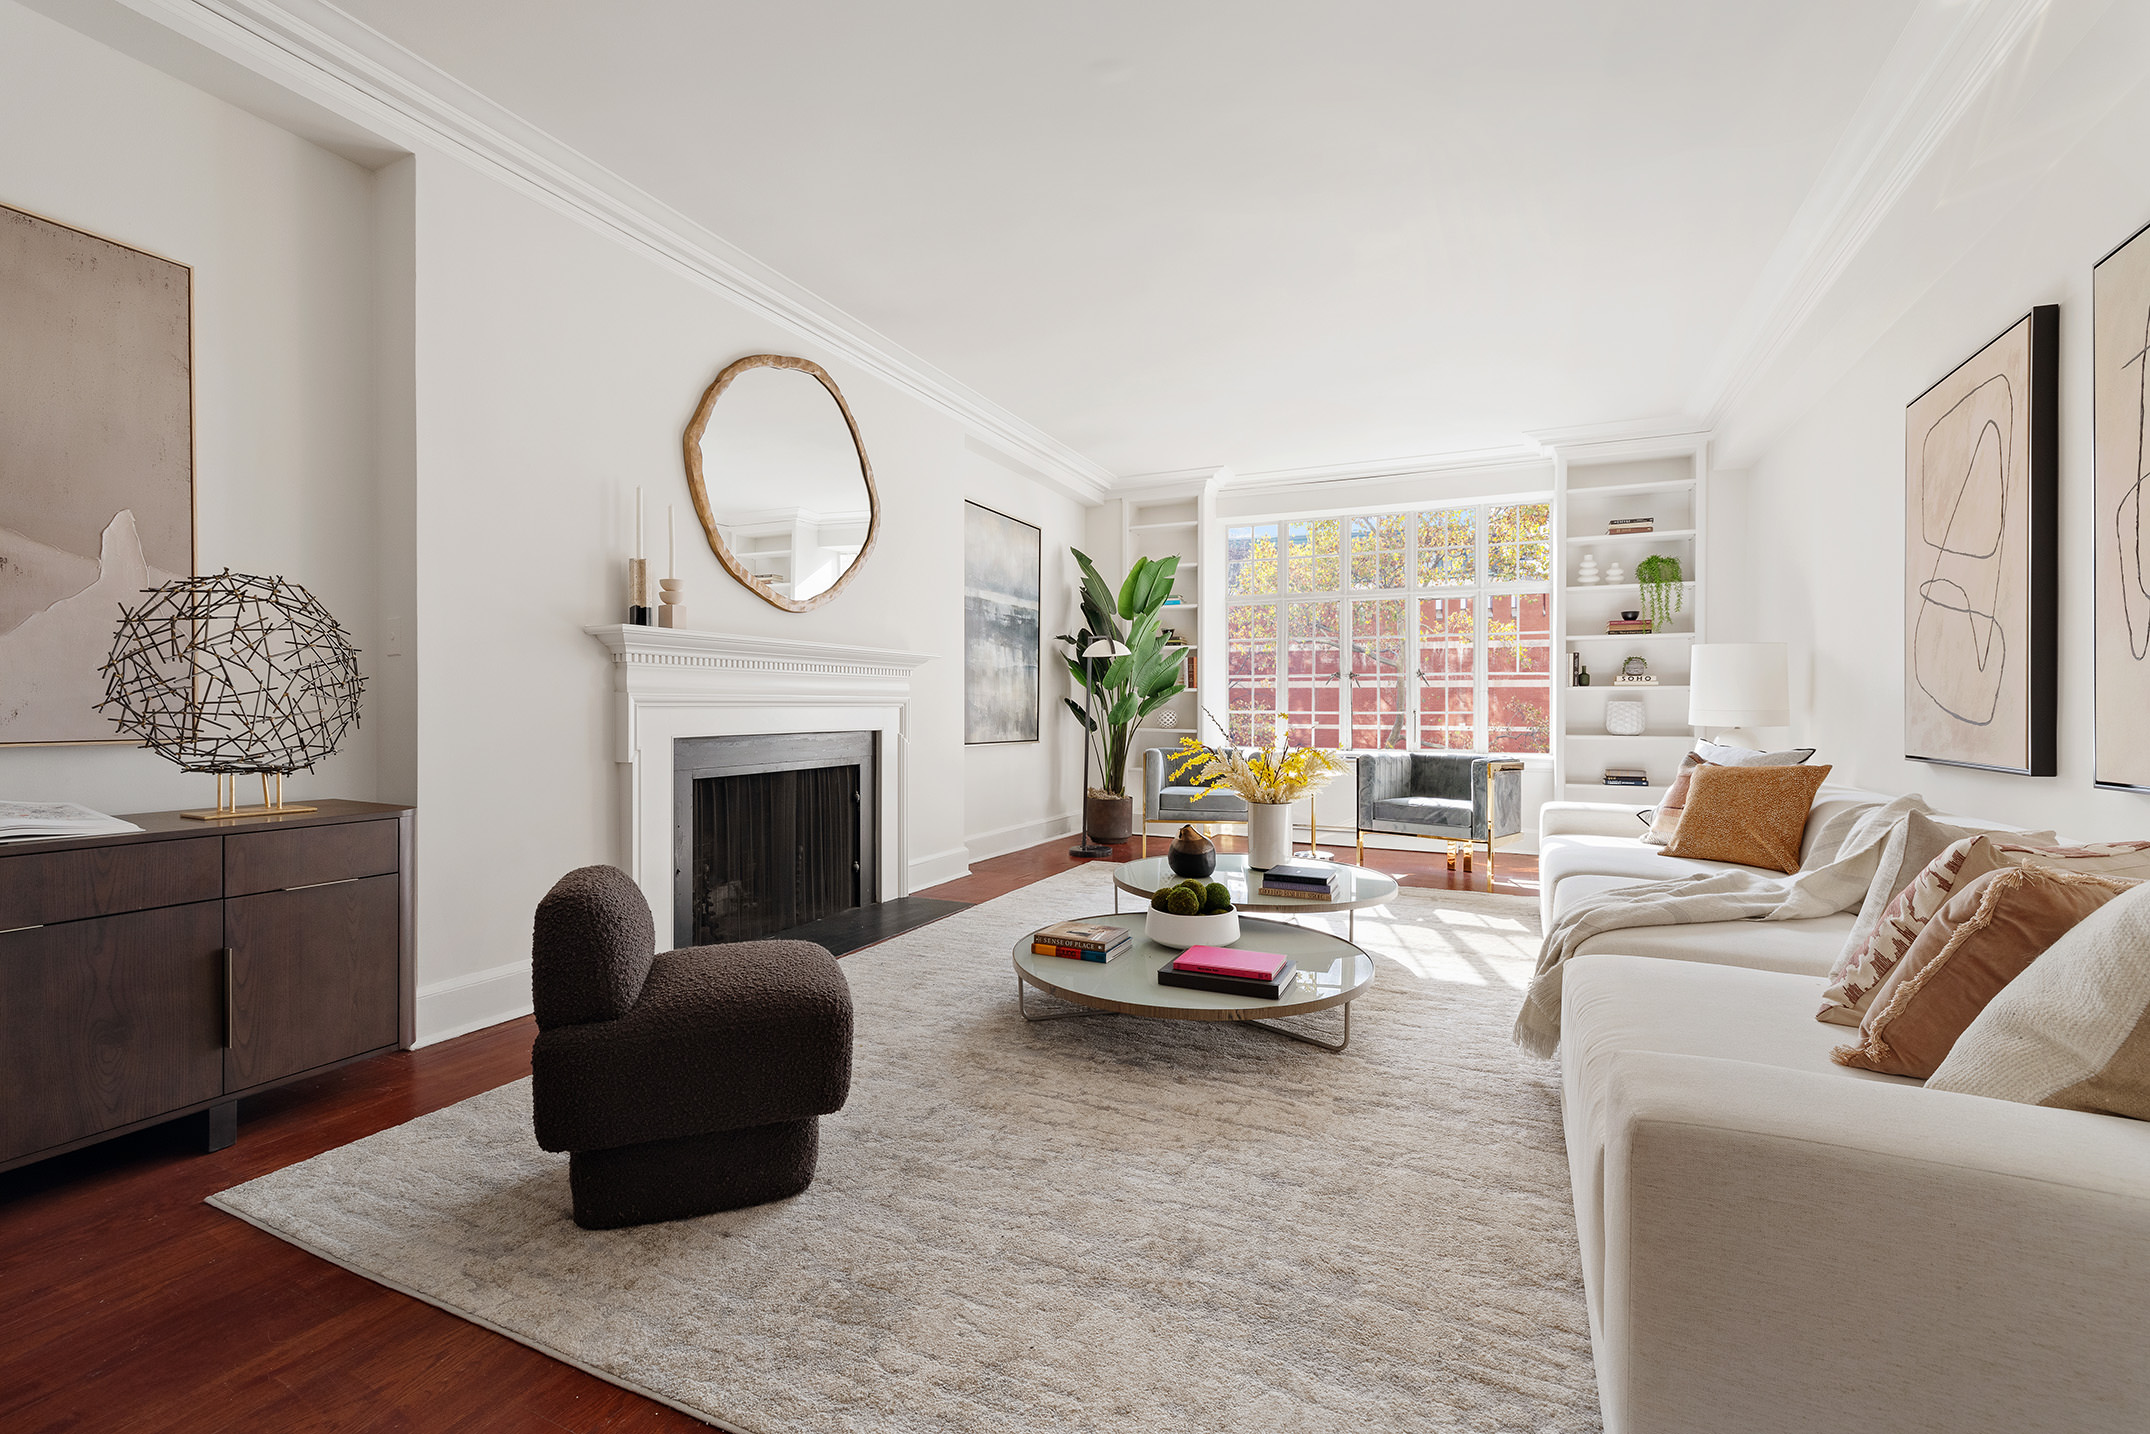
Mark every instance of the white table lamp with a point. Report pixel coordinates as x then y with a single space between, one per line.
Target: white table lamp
1739 686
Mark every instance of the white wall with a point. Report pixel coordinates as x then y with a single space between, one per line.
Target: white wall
555 371
2043 196
280 237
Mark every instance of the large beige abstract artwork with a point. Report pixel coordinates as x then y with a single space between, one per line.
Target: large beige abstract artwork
2120 339
1981 465
96 461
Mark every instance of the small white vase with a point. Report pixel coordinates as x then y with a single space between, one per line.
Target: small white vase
1268 834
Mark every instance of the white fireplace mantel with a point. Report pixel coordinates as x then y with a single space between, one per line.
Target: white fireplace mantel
672 683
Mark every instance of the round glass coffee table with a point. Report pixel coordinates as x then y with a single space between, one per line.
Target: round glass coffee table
1332 972
1356 886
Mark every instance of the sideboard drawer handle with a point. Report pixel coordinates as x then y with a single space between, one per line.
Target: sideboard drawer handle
231 1001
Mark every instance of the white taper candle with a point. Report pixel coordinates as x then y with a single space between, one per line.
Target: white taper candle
638 520
671 545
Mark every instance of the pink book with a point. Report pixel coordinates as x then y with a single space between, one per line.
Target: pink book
1225 961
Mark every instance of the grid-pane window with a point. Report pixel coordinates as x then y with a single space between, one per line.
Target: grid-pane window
1315 551
1380 676
1251 560
1428 630
1448 673
1377 552
1314 670
1448 548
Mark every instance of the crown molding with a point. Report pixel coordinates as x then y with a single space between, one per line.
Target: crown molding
334 61
1512 455
1946 56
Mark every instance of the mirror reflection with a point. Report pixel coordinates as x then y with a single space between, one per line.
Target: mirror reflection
782 484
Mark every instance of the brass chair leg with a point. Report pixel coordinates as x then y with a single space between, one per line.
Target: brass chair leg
1451 858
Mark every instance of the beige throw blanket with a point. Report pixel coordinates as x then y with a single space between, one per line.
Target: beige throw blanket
1857 839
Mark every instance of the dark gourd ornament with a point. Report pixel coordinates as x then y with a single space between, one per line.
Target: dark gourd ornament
1191 854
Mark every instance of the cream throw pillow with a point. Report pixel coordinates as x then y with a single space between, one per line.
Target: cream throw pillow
2074 1029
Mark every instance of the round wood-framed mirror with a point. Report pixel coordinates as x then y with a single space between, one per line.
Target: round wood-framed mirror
784 490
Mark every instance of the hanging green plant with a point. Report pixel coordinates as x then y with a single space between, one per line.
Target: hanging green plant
1663 593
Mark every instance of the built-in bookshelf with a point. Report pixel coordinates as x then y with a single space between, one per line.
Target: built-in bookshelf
1666 483
1163 527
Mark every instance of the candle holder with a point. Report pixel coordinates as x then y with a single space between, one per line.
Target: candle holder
638 608
669 611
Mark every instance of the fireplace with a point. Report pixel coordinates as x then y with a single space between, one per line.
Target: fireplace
773 832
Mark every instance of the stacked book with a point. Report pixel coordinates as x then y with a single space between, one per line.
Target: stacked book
1621 627
1626 777
1231 971
1301 880
1636 679
1081 940
33 821
1631 525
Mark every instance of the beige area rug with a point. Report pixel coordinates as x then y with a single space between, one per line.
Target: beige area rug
1089 1224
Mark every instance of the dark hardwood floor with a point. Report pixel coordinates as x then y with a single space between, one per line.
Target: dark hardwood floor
126 1304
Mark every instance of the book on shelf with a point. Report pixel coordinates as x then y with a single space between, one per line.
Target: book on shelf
1087 935
1629 629
1626 777
1230 961
1080 953
48 821
1641 680
1269 990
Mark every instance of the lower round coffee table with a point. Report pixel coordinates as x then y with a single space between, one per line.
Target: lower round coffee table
1356 886
1332 972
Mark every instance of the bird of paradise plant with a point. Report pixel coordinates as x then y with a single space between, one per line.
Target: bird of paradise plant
1128 688
1272 776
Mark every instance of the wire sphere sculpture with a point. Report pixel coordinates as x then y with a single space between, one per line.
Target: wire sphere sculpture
233 673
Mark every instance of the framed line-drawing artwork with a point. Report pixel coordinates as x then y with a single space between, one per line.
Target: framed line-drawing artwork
2120 609
96 462
1981 557
1002 580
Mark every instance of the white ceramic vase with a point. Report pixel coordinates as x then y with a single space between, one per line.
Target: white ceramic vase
1624 719
1268 834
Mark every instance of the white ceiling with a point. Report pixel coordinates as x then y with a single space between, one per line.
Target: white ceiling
1267 236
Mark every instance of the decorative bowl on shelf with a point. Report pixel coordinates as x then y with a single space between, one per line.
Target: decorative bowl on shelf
1220 928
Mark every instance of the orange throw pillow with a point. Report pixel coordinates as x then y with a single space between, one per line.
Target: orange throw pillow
1752 815
1975 945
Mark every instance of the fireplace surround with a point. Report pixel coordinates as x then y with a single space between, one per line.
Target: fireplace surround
671 685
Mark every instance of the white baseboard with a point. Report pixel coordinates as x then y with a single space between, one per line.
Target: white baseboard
462 1004
1014 838
938 867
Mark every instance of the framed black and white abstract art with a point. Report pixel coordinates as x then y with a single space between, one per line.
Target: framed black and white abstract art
2120 613
1002 579
1981 575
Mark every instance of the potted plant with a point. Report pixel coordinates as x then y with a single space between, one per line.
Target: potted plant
1118 692
1270 780
1662 591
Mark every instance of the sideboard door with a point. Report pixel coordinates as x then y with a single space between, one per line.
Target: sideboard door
314 977
107 1022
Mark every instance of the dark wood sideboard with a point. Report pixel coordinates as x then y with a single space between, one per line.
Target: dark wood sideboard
171 971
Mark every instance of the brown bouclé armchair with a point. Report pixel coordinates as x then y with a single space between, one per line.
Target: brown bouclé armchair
681 1082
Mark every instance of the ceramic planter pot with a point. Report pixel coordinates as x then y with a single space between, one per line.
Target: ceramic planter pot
1191 854
1108 820
1181 932
1268 834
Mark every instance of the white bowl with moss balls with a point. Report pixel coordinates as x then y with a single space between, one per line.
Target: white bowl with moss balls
1207 917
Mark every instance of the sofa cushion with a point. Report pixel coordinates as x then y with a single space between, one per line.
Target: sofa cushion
1726 756
2074 1030
1800 948
1426 812
1982 939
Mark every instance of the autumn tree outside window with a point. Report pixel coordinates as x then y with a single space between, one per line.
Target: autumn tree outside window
1427 630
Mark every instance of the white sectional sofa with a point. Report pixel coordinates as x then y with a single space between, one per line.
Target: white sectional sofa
1773 1242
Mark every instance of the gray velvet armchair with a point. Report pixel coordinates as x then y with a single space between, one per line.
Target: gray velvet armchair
1460 798
1165 802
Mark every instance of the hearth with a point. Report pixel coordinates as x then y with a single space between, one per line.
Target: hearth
773 832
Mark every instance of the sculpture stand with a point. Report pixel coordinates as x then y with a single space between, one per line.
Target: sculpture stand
227 800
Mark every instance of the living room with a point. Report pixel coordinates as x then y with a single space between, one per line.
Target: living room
1193 379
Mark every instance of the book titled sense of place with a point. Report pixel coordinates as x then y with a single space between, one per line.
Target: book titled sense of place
1080 933
1079 953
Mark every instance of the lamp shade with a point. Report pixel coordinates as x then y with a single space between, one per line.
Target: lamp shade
1106 647
1739 684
